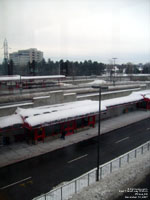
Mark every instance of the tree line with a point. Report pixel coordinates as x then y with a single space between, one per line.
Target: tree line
71 68
68 68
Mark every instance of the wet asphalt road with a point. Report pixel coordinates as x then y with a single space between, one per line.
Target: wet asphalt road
35 176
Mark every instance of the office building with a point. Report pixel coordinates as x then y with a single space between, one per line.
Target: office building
22 57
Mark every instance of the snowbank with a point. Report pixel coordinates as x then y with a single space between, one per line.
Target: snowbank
97 82
114 184
65 84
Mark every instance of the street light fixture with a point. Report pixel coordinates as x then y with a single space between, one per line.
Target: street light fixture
99 120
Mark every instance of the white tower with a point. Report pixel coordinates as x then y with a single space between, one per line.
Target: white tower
5 46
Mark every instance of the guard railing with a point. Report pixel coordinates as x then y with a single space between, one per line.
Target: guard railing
65 191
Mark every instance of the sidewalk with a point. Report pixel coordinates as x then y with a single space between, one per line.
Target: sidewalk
18 152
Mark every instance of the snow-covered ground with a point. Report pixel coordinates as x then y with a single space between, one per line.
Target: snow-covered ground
117 182
97 82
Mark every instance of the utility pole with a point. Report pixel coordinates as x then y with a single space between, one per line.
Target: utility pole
114 71
99 128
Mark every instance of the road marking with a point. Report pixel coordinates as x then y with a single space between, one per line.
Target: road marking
122 140
15 183
77 158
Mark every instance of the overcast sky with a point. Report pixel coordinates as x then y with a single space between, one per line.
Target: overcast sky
78 29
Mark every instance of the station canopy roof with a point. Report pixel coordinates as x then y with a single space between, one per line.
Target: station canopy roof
147 96
10 120
42 77
10 78
53 114
59 113
18 77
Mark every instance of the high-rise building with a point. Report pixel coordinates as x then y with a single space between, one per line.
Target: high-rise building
22 57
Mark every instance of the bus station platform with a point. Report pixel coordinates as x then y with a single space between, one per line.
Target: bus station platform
17 152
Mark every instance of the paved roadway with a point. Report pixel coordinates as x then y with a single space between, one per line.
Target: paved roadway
35 176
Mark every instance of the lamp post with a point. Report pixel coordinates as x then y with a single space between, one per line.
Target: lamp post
99 126
114 71
20 85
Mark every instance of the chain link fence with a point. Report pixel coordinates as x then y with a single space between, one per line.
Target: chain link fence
75 186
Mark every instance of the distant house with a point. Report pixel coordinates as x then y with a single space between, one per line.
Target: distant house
22 57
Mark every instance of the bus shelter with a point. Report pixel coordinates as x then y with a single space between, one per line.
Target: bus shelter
54 120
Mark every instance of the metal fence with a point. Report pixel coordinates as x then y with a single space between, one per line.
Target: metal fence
65 191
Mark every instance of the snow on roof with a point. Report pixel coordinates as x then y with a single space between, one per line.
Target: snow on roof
143 93
10 120
10 78
48 114
123 100
62 115
42 77
67 111
18 77
147 96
